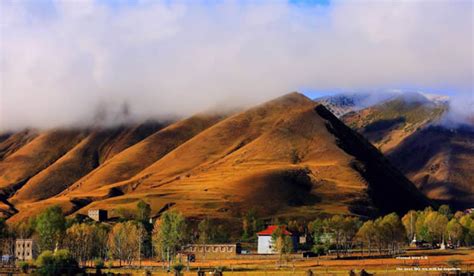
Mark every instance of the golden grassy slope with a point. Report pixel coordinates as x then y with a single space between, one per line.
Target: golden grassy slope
136 158
42 151
443 166
91 152
13 141
287 157
386 125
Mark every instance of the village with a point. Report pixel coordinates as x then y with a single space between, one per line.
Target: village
133 242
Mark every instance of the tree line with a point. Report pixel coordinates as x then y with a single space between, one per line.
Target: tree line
390 233
134 236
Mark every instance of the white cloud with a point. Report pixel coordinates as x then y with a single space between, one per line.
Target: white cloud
57 66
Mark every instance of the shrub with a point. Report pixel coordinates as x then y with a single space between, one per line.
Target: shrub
178 267
320 249
220 268
24 266
99 263
46 258
60 262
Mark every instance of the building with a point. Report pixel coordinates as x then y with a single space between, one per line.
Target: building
97 214
24 249
212 251
265 244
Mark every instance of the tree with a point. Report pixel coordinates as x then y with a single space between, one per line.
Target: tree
169 234
58 263
143 211
446 211
436 226
317 230
125 213
281 242
205 231
79 240
393 230
468 229
367 234
455 231
86 241
250 225
3 229
342 230
100 241
409 221
125 241
335 226
25 228
50 226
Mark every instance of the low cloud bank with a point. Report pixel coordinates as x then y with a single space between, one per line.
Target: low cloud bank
62 61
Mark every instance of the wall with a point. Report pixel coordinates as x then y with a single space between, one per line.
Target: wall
264 243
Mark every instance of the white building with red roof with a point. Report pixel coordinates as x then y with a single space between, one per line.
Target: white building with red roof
265 244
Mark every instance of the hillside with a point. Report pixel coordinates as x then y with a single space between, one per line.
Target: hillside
92 151
443 166
288 157
437 159
11 142
387 124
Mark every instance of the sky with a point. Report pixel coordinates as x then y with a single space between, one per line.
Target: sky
64 62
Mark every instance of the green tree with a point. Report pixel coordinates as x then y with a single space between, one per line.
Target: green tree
317 230
446 211
455 231
393 230
367 234
169 234
250 225
50 226
125 213
143 211
342 230
436 226
205 231
468 229
4 232
59 263
25 228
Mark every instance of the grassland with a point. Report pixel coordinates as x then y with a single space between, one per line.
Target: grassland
435 259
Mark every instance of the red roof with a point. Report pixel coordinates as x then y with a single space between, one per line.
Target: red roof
272 228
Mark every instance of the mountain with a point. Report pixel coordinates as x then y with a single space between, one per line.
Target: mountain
388 123
341 104
409 130
443 163
94 149
288 157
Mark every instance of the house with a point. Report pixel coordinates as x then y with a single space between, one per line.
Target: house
97 214
24 249
211 251
265 244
